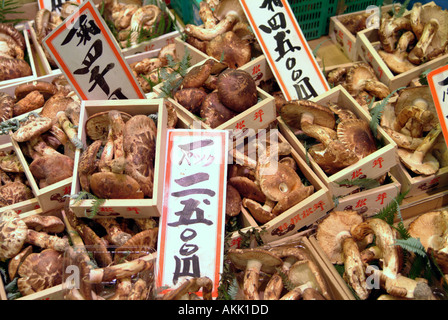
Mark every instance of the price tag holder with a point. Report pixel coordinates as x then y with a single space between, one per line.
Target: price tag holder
191 226
54 5
438 83
286 49
89 56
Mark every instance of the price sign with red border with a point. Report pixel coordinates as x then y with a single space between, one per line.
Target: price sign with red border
286 49
191 226
87 53
438 83
54 5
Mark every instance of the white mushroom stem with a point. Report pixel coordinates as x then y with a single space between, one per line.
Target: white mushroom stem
418 53
204 34
251 278
122 270
116 234
69 129
44 240
354 272
297 292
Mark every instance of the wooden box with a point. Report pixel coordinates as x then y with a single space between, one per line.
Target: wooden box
298 217
367 44
23 206
258 116
28 54
341 36
128 208
372 166
369 202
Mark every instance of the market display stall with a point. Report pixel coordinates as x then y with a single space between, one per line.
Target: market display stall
203 150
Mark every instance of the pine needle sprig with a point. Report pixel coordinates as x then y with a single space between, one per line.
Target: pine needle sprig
364 183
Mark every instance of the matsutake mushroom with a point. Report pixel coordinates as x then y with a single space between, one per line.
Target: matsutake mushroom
334 237
40 271
430 25
186 290
398 61
13 234
253 261
391 257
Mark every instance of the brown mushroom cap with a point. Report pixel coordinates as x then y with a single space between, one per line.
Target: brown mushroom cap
277 184
230 49
356 136
14 263
247 188
109 185
87 164
50 169
47 89
241 257
9 30
293 111
293 198
190 98
141 244
57 103
237 90
6 106
260 213
97 125
96 245
430 228
40 271
233 201
32 128
197 75
49 224
13 233
14 68
333 229
214 112
15 192
139 140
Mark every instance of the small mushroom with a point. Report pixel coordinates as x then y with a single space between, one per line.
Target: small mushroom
97 246
15 192
50 169
188 287
13 233
46 241
261 213
398 61
214 112
420 160
47 89
294 197
253 261
233 201
48 223
361 77
356 136
30 102
137 246
88 164
390 30
32 128
14 263
247 188
116 235
190 98
6 106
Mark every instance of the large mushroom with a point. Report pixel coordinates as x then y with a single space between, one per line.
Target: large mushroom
334 237
253 261
13 234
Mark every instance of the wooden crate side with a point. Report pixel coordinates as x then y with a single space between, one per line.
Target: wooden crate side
128 208
343 38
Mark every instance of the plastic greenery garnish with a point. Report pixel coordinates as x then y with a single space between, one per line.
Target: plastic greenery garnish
9 7
84 195
172 80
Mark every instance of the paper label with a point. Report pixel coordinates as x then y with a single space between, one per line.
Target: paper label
54 5
438 83
89 56
286 49
191 227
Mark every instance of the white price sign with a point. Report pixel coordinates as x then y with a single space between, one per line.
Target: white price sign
54 5
438 83
191 227
88 55
286 49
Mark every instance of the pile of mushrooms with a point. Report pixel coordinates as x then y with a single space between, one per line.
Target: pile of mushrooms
36 94
215 92
279 273
14 186
130 20
225 34
33 248
48 140
343 138
412 122
267 183
414 38
118 253
147 70
348 239
12 53
360 81
118 162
